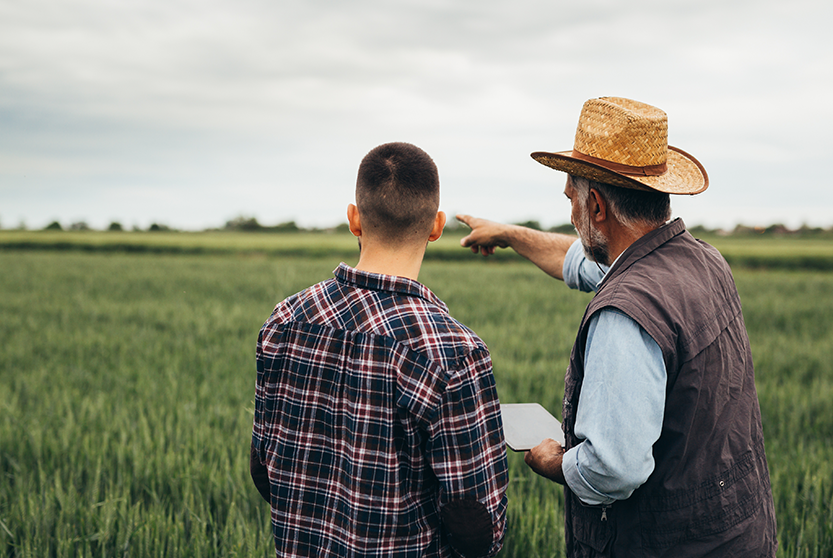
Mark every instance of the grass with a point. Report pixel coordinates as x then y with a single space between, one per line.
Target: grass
126 387
797 252
285 244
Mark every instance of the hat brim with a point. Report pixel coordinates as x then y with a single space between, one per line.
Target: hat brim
684 174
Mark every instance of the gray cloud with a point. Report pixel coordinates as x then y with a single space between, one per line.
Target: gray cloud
264 108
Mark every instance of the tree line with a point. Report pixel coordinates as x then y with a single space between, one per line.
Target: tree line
251 224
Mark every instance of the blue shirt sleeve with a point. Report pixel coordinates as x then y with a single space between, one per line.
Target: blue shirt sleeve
579 272
620 410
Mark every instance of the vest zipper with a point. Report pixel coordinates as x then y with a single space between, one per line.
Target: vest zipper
604 513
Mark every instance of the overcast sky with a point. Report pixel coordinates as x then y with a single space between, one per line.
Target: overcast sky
191 113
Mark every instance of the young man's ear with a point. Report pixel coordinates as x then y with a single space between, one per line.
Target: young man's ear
354 220
439 225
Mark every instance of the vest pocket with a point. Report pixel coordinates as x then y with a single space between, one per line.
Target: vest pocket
592 528
716 505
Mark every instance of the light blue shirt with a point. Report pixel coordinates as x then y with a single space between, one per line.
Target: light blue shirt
622 400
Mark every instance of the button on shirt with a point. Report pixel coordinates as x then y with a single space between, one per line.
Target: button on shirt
622 399
374 408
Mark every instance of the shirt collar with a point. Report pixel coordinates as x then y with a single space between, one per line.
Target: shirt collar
390 283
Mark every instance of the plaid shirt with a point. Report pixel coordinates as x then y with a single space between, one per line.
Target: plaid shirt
374 409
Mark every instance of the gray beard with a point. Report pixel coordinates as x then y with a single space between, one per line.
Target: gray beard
596 246
597 252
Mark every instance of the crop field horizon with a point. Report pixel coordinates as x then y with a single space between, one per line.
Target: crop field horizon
784 252
127 386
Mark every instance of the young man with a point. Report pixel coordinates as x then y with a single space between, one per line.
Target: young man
664 447
377 428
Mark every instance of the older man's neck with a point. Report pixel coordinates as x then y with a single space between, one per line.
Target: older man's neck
621 237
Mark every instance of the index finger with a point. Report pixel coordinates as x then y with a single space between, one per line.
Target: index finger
463 218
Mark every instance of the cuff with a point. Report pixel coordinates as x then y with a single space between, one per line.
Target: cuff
576 481
260 475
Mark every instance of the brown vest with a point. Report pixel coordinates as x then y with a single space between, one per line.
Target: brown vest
710 491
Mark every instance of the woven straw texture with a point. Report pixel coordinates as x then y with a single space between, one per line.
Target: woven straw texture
623 131
627 132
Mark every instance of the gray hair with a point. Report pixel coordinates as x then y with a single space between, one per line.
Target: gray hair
628 206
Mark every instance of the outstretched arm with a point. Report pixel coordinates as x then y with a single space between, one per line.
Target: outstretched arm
544 249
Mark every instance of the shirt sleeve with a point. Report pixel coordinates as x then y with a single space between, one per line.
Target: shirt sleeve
257 468
467 453
620 410
579 272
258 426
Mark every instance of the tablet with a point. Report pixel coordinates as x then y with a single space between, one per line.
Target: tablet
525 425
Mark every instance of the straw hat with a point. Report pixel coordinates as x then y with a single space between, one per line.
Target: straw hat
625 143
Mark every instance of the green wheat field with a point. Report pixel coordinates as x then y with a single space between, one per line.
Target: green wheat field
127 382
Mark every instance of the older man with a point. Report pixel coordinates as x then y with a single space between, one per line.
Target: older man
664 447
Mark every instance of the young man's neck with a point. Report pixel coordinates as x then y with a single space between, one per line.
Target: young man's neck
404 261
400 259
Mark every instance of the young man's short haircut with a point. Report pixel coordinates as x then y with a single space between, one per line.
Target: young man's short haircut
398 192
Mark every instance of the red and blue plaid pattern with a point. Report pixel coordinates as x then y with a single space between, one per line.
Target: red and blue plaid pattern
374 408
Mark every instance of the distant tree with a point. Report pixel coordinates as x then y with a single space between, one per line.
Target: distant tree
243 224
156 227
567 228
289 226
777 229
744 230
531 225
115 226
342 228
699 230
815 232
251 224
79 226
807 229
53 226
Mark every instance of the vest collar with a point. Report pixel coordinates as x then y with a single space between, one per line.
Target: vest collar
642 247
